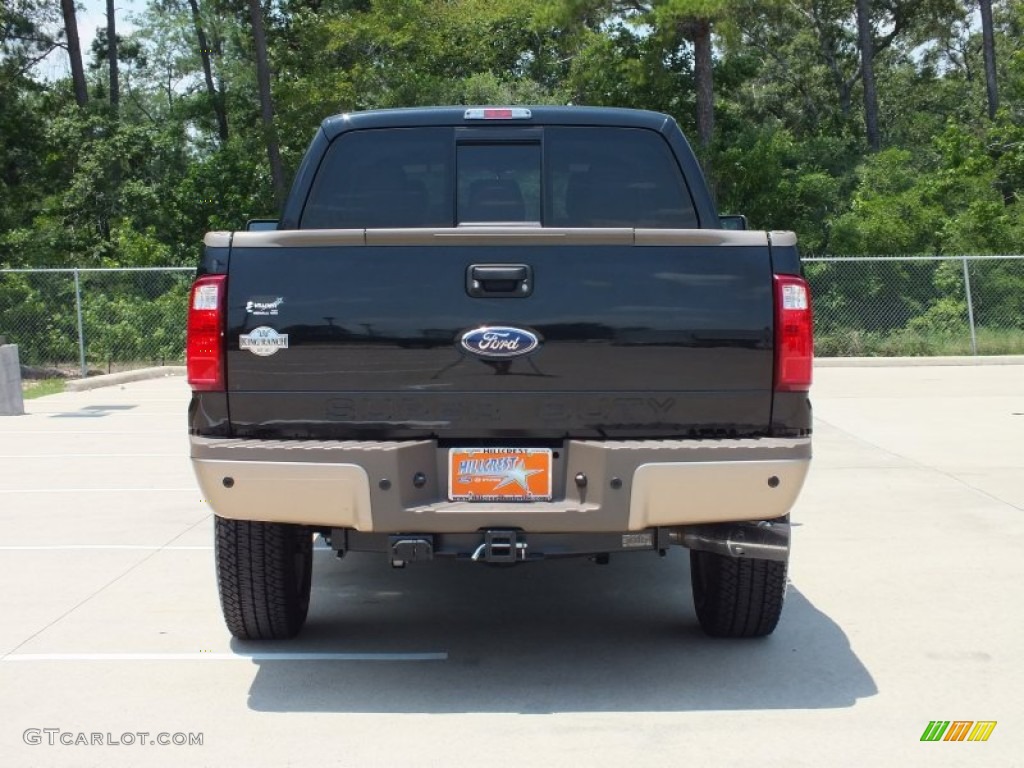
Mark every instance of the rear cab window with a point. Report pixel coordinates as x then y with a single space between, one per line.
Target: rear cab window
498 182
555 176
395 177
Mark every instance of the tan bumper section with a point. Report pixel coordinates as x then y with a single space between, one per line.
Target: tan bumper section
373 486
715 491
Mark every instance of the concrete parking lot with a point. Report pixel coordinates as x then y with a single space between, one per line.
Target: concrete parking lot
905 606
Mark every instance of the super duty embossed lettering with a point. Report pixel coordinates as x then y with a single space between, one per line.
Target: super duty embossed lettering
498 409
375 409
612 410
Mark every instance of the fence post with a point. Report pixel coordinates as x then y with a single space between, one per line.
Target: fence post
81 329
970 309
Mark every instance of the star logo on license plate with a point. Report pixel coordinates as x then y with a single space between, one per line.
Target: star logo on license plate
518 475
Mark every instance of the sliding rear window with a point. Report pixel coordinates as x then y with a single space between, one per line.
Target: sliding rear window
565 177
499 182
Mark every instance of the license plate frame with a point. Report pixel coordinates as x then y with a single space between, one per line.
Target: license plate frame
499 474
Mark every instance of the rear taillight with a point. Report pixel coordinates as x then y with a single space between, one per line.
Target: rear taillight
204 353
794 336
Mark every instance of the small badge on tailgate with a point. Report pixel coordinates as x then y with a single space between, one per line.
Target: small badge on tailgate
499 341
264 306
263 341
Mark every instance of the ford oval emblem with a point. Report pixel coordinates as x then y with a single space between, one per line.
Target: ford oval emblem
499 341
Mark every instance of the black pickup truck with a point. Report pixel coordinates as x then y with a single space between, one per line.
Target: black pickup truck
500 335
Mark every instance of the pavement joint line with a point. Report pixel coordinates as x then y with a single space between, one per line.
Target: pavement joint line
141 399
128 407
65 415
922 465
97 491
62 432
253 656
126 547
106 416
92 456
109 411
897 468
96 592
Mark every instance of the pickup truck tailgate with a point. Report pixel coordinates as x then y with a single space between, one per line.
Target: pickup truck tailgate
642 334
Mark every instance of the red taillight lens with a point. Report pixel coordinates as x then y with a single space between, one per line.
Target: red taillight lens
204 354
794 334
498 113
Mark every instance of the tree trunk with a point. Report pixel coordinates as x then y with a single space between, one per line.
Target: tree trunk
699 31
204 55
75 52
266 103
866 43
115 88
989 46
843 84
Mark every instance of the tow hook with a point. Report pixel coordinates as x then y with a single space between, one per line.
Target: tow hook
500 547
405 549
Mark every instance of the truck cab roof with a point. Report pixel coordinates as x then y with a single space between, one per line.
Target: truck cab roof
417 117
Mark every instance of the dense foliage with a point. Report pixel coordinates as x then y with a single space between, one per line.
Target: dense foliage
868 126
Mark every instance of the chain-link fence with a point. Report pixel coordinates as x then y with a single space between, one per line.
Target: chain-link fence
79 321
917 305
102 320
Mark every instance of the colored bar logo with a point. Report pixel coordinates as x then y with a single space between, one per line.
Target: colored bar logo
958 730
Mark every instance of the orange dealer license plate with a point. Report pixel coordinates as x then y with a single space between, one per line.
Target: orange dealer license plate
499 474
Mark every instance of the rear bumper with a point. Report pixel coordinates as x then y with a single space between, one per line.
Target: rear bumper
631 485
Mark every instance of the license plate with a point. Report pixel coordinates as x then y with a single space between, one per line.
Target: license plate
499 474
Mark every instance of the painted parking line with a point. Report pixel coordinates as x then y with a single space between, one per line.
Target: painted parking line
201 656
100 415
88 547
122 547
136 400
58 431
180 455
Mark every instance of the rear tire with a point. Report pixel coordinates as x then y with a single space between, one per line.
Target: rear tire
264 572
737 597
